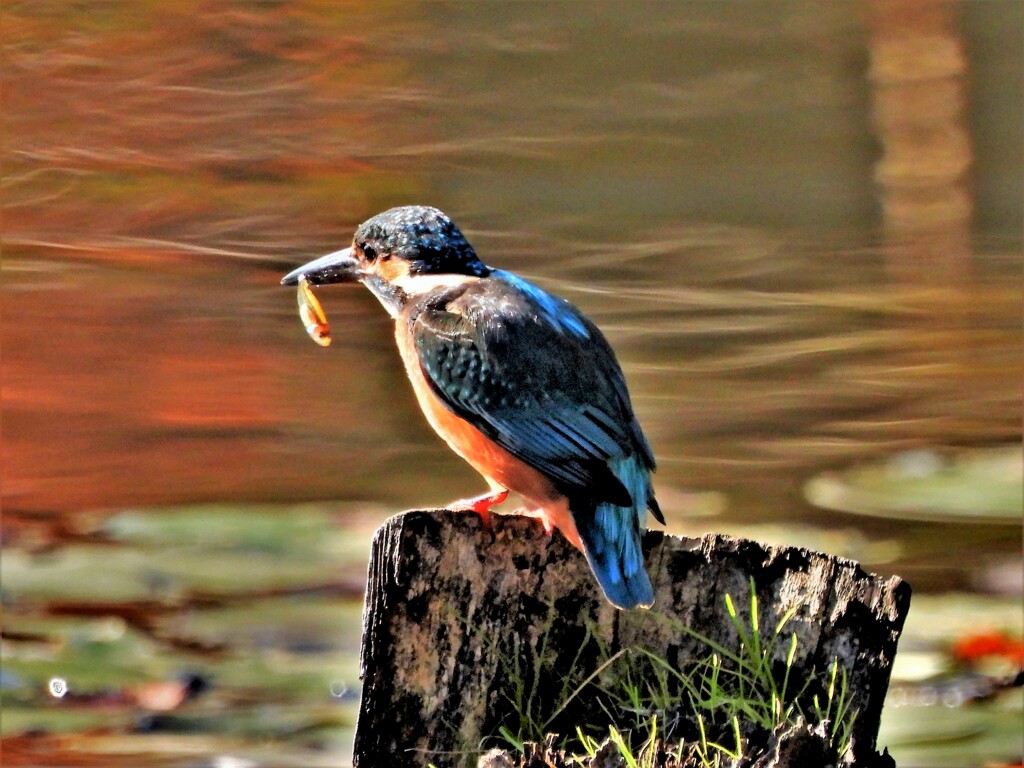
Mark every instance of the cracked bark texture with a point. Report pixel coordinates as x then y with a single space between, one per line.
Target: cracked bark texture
465 628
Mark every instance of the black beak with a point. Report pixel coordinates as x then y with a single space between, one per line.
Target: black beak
338 267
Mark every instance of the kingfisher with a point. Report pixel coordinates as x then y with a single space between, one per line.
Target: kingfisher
517 381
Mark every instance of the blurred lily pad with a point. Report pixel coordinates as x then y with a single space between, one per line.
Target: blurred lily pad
949 737
983 485
931 730
198 549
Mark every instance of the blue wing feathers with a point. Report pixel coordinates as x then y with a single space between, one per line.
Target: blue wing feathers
534 375
611 538
560 313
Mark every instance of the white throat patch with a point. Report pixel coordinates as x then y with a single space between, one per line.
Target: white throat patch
417 286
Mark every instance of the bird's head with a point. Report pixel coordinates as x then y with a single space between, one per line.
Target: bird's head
399 253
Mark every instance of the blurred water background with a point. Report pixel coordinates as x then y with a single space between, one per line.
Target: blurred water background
799 224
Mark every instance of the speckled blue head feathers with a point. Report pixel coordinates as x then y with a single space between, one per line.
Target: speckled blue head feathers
425 237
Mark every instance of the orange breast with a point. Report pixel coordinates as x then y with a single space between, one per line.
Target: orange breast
483 454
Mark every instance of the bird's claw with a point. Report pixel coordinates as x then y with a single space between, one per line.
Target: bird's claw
540 516
481 505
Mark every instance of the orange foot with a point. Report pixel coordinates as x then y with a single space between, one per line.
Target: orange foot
540 515
481 504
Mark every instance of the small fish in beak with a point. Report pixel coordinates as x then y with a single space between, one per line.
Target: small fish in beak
312 314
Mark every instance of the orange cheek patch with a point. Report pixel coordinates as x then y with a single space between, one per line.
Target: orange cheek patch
392 270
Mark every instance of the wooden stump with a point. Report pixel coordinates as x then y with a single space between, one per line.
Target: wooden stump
467 629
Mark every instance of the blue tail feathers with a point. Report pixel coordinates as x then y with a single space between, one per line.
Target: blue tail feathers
611 538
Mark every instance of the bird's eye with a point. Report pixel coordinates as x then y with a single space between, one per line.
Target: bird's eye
368 253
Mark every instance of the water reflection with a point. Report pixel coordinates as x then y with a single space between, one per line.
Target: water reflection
919 78
792 226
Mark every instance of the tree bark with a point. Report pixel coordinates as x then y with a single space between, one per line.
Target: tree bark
469 629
